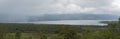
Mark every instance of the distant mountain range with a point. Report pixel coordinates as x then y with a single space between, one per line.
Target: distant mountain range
52 17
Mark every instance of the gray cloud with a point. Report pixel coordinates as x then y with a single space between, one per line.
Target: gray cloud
53 6
12 9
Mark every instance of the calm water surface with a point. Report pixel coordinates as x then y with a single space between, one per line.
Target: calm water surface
73 22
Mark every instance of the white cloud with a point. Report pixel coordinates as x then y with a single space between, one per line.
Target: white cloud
115 6
73 6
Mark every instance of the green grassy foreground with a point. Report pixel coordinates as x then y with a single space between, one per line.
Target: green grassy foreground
42 31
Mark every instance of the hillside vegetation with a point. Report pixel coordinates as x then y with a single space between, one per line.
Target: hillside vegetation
41 31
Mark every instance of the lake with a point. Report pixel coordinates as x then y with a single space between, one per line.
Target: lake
72 22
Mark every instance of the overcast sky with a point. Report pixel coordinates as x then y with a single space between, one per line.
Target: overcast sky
19 8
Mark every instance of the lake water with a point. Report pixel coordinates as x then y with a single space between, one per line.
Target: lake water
73 22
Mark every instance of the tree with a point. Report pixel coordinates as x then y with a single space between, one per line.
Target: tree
18 33
68 32
119 20
41 32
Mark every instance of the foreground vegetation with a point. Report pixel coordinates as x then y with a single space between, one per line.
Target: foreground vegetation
41 31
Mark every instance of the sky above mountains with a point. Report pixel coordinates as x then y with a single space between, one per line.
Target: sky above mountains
16 9
59 6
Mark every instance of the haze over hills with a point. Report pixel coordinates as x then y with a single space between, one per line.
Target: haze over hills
53 17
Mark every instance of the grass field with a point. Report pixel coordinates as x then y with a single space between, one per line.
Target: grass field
46 31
